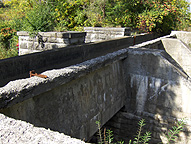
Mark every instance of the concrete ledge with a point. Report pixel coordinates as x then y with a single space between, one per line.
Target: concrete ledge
184 36
20 90
17 131
71 98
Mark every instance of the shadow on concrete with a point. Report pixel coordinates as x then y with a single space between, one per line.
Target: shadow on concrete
158 90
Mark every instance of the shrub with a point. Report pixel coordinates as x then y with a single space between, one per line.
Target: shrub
5 37
39 18
163 16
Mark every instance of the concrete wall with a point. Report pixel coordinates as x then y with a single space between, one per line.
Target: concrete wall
19 67
71 99
158 91
184 36
180 52
148 82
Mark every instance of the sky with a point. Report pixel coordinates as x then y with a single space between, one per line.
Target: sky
190 3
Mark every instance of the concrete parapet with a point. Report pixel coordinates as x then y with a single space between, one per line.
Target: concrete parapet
184 36
180 52
19 67
48 40
71 99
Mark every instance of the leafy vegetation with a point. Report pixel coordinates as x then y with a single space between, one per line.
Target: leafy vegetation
172 133
141 138
61 15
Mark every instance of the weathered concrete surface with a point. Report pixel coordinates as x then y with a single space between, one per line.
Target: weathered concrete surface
20 132
179 52
184 36
148 82
19 67
72 99
158 91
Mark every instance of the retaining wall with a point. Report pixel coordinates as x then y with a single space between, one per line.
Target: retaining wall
158 90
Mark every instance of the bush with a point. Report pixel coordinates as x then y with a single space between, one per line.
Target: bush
39 18
163 16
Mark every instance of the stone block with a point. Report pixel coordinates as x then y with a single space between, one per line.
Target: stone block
23 45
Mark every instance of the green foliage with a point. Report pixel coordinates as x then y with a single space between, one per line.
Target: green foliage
40 18
5 36
141 139
163 16
172 133
61 15
107 136
11 51
69 15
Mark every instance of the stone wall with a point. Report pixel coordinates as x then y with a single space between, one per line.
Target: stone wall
99 33
53 40
48 40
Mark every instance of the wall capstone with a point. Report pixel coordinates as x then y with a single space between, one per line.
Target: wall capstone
100 33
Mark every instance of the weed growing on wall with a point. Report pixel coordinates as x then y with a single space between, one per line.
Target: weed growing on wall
172 133
143 139
106 136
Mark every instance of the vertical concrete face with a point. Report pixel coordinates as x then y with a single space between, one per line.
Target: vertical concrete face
179 52
157 92
75 107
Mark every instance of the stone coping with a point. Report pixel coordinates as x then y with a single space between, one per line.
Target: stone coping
107 29
67 34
